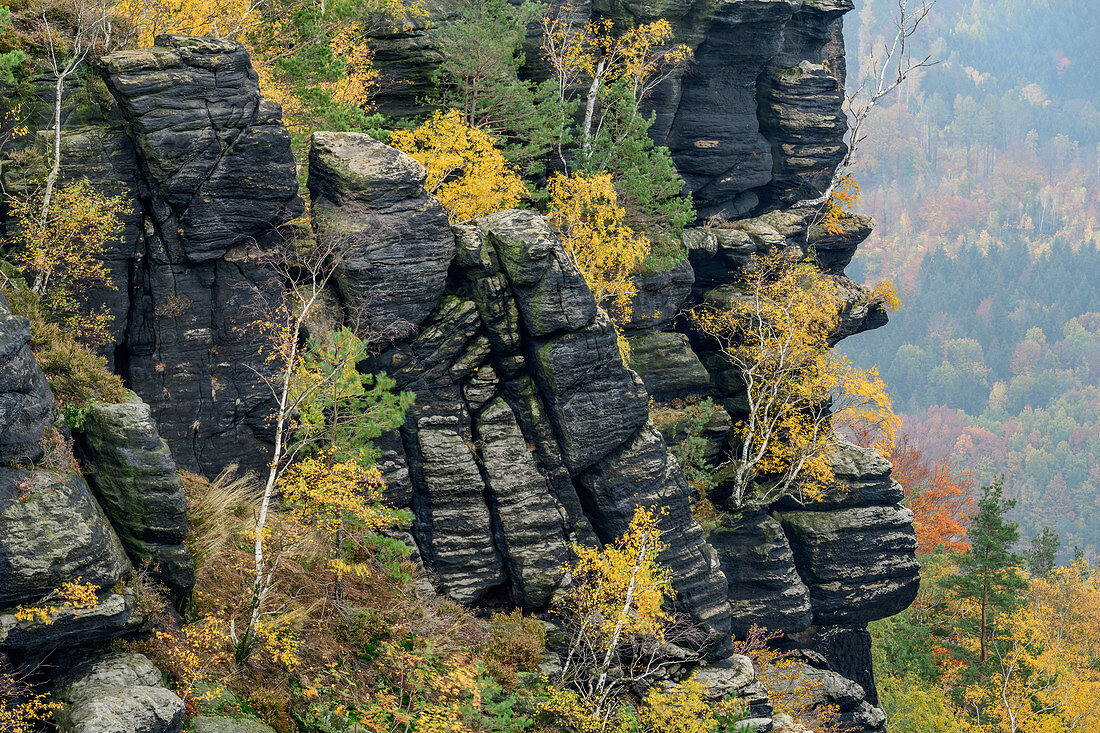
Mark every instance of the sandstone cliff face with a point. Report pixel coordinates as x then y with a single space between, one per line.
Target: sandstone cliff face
528 431
52 528
753 124
204 167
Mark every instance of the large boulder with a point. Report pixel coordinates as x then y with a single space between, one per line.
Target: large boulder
764 586
53 531
137 484
528 431
859 563
118 693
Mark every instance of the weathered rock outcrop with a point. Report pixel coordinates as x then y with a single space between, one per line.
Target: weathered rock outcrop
764 586
753 124
528 432
52 530
400 244
26 405
118 693
203 166
135 479
856 549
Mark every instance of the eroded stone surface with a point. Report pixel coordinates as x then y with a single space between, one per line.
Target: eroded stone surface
119 693
137 484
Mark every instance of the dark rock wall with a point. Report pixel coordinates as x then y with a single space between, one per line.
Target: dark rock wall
753 123
528 431
203 165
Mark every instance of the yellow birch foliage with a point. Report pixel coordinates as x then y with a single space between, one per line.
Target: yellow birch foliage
324 494
61 255
840 203
21 709
466 171
219 18
77 595
684 708
886 293
1045 677
775 332
603 578
585 209
361 78
615 601
790 689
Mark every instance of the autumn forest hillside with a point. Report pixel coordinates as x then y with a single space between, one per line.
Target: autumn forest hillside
983 175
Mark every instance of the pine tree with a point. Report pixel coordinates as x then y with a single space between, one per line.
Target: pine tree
479 75
988 580
1044 548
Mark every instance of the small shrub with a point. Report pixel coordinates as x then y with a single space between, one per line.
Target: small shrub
77 595
22 710
57 452
272 707
516 639
516 643
76 375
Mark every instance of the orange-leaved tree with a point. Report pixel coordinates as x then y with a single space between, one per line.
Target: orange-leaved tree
940 497
466 171
774 332
585 209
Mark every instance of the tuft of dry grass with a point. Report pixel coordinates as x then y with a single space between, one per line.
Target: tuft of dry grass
218 511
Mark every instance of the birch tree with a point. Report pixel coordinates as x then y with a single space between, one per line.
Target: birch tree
775 334
890 67
91 28
306 395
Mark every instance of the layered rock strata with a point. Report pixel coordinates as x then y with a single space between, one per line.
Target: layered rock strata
52 530
203 166
754 123
528 432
